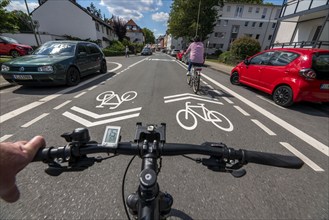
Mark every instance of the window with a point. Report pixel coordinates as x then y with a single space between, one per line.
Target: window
225 22
262 59
257 10
97 26
220 34
257 36
246 23
248 35
260 24
82 48
273 25
235 29
218 22
107 31
220 46
93 48
269 37
228 8
238 11
250 9
282 58
102 28
264 12
253 24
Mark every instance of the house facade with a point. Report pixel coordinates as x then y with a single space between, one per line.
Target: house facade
303 23
66 17
134 32
173 43
237 20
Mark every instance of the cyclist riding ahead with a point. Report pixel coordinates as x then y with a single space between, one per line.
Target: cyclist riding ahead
196 50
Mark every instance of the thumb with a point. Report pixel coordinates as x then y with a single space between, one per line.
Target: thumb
33 146
11 194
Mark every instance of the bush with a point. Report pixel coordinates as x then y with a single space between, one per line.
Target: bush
244 47
109 52
228 57
116 46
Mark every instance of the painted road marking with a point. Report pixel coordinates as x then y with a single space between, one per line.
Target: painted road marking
93 87
79 95
295 131
5 137
96 116
63 104
262 126
241 110
175 98
306 160
34 120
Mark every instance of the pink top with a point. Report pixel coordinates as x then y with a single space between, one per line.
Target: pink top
197 51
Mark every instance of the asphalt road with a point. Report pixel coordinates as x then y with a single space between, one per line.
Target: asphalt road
152 90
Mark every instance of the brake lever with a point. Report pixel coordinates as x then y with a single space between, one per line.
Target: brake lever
220 165
55 168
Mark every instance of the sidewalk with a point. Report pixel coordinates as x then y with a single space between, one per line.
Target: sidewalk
212 65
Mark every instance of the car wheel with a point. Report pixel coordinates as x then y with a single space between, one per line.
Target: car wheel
72 76
14 53
283 96
103 67
235 78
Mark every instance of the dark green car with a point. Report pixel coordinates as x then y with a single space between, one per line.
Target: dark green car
56 63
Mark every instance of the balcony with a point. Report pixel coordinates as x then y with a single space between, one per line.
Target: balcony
302 44
300 7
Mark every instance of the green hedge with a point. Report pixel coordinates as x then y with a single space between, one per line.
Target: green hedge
110 53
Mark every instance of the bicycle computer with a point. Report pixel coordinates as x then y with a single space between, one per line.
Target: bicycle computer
111 136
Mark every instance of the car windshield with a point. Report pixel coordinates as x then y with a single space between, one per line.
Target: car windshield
56 48
10 40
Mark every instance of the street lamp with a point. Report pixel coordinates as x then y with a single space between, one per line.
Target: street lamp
33 28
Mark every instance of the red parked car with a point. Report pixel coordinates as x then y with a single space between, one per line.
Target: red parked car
289 74
9 46
179 55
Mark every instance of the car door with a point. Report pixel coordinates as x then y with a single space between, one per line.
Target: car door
83 62
253 71
95 57
277 69
3 50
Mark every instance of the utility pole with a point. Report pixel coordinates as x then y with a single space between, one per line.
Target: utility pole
197 23
32 24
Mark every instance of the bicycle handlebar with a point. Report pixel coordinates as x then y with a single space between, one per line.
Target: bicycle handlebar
218 150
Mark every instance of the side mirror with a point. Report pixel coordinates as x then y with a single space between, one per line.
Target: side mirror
246 61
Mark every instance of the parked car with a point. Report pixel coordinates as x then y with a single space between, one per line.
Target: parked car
146 51
56 62
180 55
289 74
174 52
10 47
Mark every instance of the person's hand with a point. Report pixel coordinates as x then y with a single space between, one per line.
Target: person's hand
14 156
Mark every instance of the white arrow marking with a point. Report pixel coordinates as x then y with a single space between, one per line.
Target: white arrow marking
96 116
87 123
191 97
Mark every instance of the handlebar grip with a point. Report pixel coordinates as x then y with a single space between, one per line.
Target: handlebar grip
273 159
40 155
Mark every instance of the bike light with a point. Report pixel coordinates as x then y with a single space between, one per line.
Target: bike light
307 73
5 68
45 69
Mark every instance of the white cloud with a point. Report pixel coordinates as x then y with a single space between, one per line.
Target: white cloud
20 6
160 16
128 9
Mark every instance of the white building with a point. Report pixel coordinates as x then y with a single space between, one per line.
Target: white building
237 20
303 23
173 43
134 32
66 17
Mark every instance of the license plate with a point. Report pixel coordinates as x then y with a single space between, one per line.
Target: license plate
23 77
324 86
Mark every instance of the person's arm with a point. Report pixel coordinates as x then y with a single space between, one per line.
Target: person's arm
14 156
188 49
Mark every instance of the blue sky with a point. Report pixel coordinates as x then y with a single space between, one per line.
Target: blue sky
152 14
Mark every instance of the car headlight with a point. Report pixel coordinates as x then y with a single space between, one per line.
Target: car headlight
5 68
45 69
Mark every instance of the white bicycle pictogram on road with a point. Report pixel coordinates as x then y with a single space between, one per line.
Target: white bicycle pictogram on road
112 99
187 119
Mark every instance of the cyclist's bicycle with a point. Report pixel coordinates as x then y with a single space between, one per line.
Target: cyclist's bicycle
148 202
194 78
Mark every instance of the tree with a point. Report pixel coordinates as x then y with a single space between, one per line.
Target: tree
8 19
149 36
184 16
119 26
93 10
244 47
24 21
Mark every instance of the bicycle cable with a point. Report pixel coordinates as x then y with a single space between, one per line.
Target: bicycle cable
123 187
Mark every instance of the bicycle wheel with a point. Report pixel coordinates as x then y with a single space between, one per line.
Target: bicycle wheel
128 96
103 95
220 121
196 82
183 117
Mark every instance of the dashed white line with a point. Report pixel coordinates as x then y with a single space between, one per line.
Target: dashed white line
228 100
306 160
266 129
91 88
61 105
241 110
5 137
34 120
79 95
16 112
